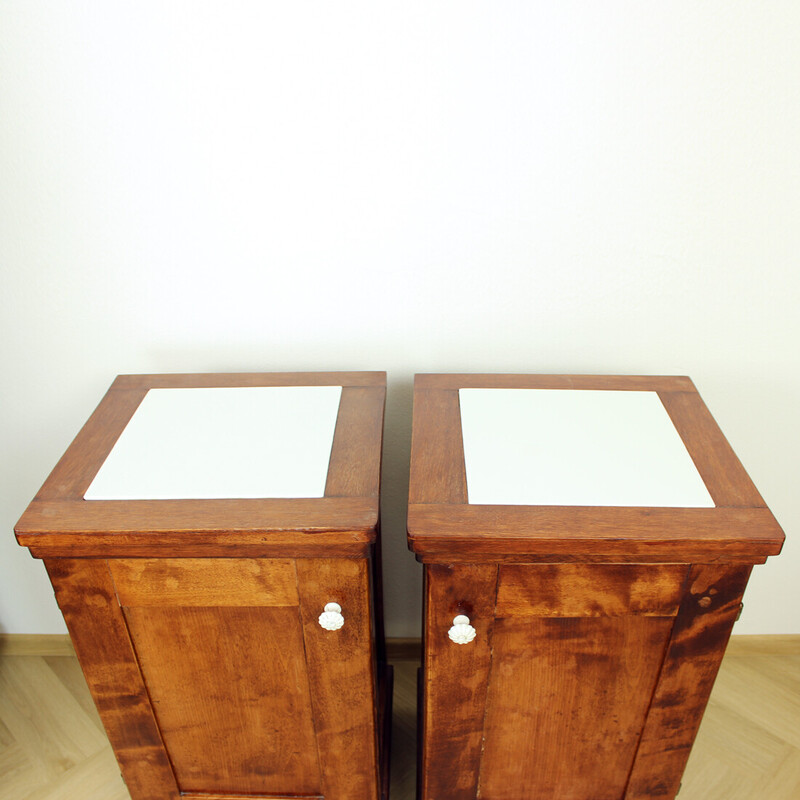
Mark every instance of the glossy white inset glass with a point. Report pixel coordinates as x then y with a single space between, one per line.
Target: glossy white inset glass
566 447
265 441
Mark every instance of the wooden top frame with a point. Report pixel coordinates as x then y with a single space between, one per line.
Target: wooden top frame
444 528
59 522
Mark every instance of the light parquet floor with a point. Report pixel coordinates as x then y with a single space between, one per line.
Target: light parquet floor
52 745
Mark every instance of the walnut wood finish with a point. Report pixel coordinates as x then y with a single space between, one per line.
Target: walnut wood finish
701 633
355 465
442 524
599 630
196 621
60 523
437 450
206 796
747 747
242 693
727 482
209 379
628 383
204 582
572 694
87 599
577 590
454 701
343 688
230 693
581 533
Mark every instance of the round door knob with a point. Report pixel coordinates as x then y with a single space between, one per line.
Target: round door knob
461 632
331 618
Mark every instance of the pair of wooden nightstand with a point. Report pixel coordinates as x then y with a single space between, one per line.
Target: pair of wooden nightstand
213 542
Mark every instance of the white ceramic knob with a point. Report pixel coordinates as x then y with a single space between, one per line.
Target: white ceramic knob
461 632
331 618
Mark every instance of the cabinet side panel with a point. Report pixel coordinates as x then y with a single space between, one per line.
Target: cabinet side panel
566 705
86 597
699 637
342 676
455 679
230 692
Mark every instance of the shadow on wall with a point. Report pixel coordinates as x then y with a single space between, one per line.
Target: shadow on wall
402 576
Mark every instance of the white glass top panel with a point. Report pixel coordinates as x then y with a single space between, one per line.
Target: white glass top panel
265 441
567 447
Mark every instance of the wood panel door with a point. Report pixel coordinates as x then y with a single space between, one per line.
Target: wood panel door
250 696
550 698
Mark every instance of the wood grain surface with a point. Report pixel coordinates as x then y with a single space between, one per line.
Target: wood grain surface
456 533
578 590
207 379
697 645
722 472
214 796
609 623
230 692
355 464
205 582
76 469
87 599
343 677
455 680
444 528
196 621
437 450
567 701
645 383
271 527
748 747
60 523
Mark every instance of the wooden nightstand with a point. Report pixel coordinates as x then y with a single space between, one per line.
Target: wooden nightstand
213 545
586 542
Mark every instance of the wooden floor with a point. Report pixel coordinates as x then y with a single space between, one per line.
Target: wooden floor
52 745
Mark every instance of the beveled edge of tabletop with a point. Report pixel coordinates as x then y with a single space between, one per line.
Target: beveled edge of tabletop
442 525
197 380
59 521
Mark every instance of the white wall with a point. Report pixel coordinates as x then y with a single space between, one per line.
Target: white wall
446 186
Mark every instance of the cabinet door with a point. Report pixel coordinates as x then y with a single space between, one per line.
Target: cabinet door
551 697
576 655
250 695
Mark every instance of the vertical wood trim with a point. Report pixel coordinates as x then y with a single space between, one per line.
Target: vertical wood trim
342 676
694 653
87 599
438 474
455 680
355 464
